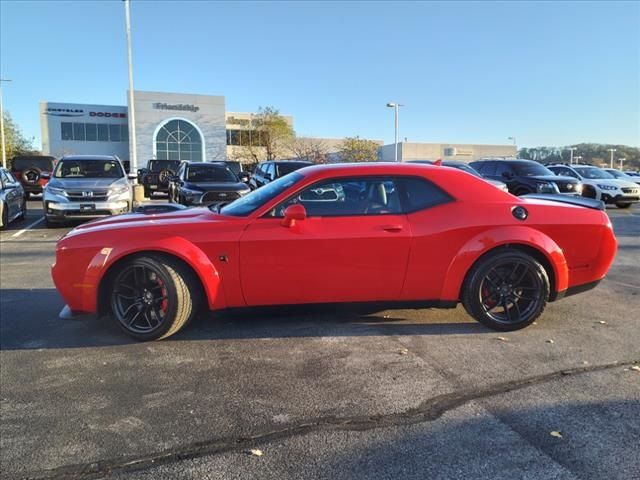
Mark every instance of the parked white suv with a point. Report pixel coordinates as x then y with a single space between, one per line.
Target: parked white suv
600 184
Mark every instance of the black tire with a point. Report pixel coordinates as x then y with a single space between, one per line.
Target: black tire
623 205
509 280
31 175
154 297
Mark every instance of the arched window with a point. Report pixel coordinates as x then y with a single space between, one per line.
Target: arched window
179 140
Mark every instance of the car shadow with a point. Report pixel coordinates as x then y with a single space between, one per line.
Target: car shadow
29 320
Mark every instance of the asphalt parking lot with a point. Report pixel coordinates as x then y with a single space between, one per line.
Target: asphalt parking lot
336 395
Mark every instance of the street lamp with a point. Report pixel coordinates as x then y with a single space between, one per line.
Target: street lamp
571 149
612 150
512 139
132 108
578 158
4 145
621 160
395 106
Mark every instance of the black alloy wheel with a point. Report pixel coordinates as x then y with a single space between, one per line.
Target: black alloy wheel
507 290
153 297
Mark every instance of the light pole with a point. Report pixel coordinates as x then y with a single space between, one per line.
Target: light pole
578 158
132 108
513 139
612 150
4 145
621 160
395 106
571 149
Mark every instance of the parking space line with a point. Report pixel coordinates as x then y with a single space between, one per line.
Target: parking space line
31 225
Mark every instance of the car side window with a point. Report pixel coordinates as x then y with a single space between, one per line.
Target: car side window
569 172
487 168
10 177
3 179
420 194
503 168
271 170
346 197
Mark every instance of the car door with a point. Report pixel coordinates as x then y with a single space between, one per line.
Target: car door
12 195
352 247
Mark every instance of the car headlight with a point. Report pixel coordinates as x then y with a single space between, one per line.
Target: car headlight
578 188
55 190
119 189
607 187
547 187
244 192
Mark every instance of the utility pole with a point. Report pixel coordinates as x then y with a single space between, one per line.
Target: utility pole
132 110
612 150
395 106
2 139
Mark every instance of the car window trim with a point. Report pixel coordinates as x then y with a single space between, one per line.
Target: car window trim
402 196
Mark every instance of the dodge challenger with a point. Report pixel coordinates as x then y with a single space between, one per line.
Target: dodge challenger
399 235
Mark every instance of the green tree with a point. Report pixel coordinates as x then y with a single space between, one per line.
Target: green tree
591 153
16 142
356 149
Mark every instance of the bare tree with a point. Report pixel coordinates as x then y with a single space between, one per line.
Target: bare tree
309 149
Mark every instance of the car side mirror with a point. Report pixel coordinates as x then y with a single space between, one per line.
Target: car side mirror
293 213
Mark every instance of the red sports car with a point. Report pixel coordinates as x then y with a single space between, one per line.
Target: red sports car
402 235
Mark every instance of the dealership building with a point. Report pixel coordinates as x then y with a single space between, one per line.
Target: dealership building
178 126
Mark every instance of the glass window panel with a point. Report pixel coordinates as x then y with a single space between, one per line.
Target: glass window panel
179 140
235 137
161 155
103 132
78 132
91 132
124 132
114 133
66 131
162 135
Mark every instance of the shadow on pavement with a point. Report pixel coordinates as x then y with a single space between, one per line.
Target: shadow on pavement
29 320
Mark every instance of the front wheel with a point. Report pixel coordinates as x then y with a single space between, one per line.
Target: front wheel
506 290
153 297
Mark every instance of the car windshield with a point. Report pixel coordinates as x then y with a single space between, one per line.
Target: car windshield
530 169
285 168
464 168
88 169
157 165
593 172
250 203
617 173
41 163
210 173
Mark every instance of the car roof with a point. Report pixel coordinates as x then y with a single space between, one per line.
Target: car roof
506 160
89 157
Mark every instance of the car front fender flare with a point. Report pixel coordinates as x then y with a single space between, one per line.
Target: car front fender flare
502 237
178 247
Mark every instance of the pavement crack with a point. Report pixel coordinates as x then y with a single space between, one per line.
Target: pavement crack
429 410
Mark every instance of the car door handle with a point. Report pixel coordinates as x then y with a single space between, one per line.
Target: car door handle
392 228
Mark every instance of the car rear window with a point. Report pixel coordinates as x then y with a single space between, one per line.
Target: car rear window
41 163
157 165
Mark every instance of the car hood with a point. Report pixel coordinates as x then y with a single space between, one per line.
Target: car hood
87 183
612 181
217 186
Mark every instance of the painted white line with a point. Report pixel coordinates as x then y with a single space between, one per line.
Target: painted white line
31 225
623 284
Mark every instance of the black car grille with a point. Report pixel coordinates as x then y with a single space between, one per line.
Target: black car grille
219 196
632 191
568 187
88 195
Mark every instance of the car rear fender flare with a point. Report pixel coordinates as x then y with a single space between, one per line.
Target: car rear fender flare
511 236
179 247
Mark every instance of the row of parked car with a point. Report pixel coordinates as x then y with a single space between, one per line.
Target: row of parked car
89 186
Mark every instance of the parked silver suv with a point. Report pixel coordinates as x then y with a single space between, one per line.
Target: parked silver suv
86 186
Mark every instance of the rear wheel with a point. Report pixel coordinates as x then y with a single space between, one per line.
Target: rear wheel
154 297
506 290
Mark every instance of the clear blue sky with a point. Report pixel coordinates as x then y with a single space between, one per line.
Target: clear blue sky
549 73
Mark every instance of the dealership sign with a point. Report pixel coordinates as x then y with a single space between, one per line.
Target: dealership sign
179 106
65 112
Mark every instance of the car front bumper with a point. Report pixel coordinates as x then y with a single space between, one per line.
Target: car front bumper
620 198
78 210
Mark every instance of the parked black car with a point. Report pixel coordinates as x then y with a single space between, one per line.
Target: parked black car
526 176
155 178
267 172
198 183
237 168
